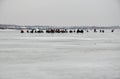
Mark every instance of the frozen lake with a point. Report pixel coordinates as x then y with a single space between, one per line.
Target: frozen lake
59 56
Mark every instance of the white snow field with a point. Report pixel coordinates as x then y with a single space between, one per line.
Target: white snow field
59 56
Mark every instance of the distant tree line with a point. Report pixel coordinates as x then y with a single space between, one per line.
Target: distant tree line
19 27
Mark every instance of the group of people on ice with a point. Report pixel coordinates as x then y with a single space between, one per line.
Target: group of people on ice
61 31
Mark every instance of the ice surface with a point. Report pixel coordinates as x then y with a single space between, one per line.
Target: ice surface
59 56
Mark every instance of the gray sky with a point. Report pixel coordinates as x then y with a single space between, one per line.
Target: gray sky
60 12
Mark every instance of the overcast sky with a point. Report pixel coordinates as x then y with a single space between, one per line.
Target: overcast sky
60 12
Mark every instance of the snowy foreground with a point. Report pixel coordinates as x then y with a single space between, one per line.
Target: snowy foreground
59 56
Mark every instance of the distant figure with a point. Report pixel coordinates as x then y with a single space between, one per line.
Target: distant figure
103 31
32 31
27 31
95 30
57 30
80 31
70 31
22 31
52 31
87 31
74 31
40 31
62 31
112 30
48 31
